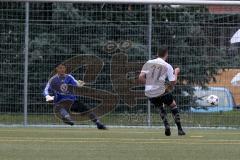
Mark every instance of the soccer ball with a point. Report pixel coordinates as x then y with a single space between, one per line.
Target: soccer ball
213 100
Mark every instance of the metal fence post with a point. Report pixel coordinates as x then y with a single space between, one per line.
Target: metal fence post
149 53
26 62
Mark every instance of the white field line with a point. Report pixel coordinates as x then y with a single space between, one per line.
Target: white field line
71 139
119 141
120 131
111 126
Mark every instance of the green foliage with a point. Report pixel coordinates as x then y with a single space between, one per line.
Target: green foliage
59 31
11 56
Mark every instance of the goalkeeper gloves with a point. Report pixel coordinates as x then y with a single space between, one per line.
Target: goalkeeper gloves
49 98
80 83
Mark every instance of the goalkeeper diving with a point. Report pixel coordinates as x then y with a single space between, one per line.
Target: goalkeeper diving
59 96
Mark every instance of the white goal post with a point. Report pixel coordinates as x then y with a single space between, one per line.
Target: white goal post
180 2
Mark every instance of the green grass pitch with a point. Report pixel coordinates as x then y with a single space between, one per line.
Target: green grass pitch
117 144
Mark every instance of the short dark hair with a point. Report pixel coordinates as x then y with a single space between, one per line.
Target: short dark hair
161 51
58 64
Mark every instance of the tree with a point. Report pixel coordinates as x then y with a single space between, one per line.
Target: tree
11 56
59 31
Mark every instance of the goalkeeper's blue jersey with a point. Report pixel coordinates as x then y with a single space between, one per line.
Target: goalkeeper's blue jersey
56 87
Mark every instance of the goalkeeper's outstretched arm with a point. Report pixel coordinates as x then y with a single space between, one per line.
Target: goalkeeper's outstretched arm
75 82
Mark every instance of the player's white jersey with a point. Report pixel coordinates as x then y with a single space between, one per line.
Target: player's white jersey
157 70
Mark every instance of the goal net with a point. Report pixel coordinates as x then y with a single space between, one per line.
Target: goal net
106 45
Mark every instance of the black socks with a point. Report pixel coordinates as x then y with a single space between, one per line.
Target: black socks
163 115
176 116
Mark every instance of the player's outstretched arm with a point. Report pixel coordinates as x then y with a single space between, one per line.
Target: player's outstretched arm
176 73
173 76
75 82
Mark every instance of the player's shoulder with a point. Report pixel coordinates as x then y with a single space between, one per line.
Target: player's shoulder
53 77
151 61
159 61
148 61
169 66
70 76
148 64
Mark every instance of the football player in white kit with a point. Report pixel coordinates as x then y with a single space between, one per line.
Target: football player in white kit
153 75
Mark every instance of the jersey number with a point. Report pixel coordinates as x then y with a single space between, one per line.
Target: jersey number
156 70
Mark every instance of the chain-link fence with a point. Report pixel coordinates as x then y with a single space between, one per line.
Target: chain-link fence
106 45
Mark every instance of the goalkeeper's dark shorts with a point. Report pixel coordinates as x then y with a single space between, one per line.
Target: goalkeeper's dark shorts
78 107
166 99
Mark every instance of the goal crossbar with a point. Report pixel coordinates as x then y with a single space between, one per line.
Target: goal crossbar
179 2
